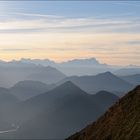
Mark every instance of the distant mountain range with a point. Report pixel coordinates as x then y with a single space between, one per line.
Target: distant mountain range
49 72
127 71
120 122
104 81
59 112
7 101
6 98
72 67
24 90
39 79
74 62
87 66
47 75
38 101
133 79
83 62
92 84
44 62
11 74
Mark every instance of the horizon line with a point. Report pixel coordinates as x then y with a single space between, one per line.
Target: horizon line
64 61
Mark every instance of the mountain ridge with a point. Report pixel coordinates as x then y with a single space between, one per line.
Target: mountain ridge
57 112
103 81
28 88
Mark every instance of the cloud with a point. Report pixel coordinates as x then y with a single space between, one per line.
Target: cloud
111 40
128 4
50 23
15 49
38 15
134 42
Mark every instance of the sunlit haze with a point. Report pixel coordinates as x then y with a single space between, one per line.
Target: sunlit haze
108 31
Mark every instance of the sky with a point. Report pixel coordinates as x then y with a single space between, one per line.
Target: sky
64 30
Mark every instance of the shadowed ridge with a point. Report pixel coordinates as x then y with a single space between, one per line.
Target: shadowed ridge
27 89
60 112
29 83
46 75
108 73
68 85
67 88
104 92
103 81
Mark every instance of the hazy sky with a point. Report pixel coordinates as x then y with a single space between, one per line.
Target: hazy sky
60 30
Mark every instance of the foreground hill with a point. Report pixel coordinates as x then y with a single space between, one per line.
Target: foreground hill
60 112
120 122
104 81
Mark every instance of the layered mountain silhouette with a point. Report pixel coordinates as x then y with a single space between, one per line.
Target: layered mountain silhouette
104 81
13 72
134 79
74 62
6 97
70 67
50 72
82 62
47 75
7 101
27 89
128 71
44 62
83 66
43 103
61 111
120 122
